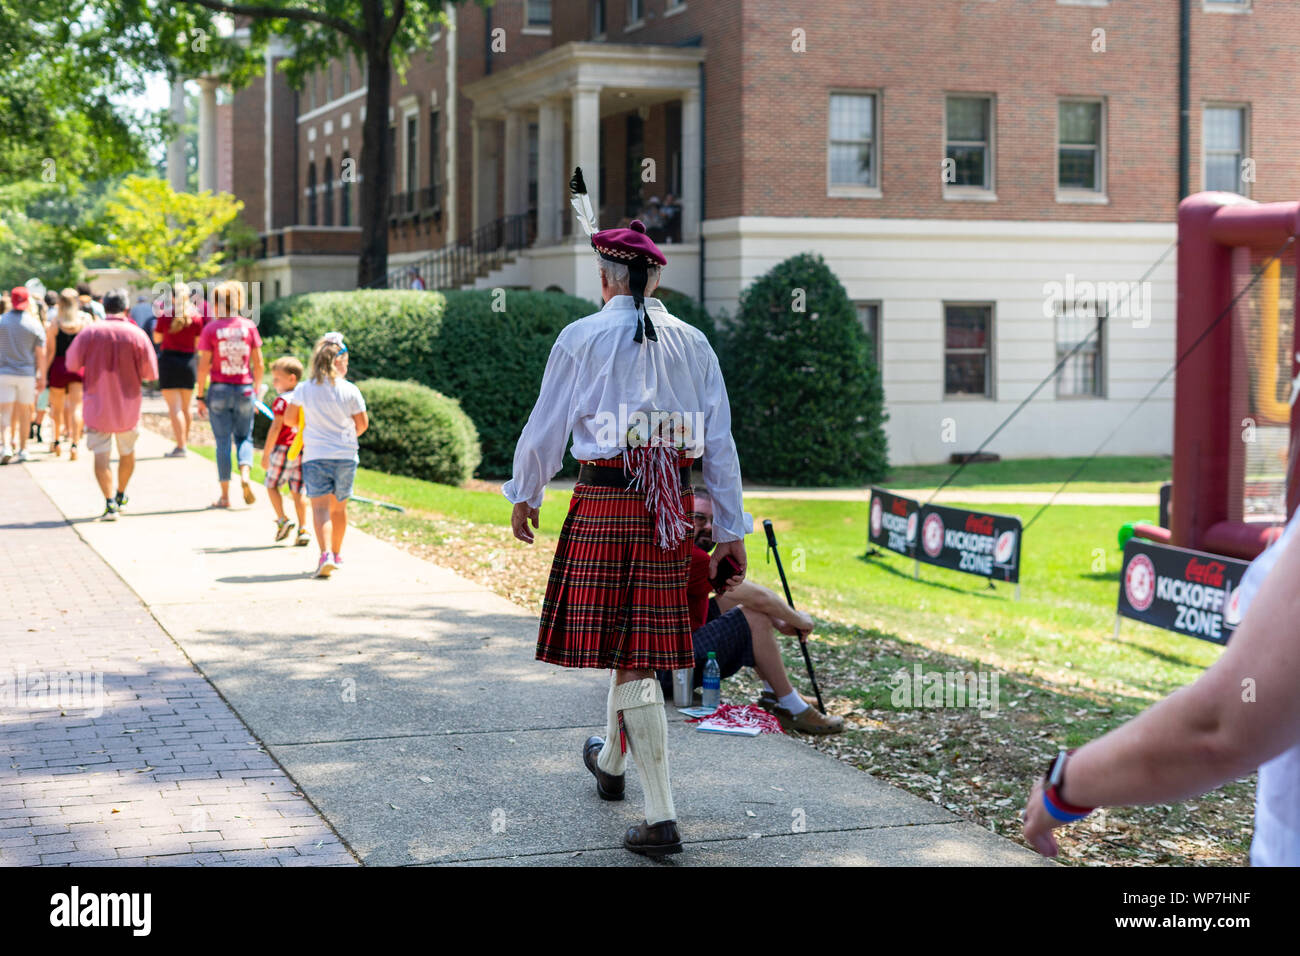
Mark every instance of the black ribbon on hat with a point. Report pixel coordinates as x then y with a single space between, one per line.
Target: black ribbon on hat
636 282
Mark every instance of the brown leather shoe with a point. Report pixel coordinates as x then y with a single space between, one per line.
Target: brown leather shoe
657 839
809 721
608 786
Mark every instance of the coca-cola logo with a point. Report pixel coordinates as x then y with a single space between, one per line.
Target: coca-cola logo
1205 572
979 524
875 517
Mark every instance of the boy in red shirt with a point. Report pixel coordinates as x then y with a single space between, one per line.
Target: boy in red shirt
286 372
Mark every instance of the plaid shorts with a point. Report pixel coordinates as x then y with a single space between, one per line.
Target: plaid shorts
726 635
280 470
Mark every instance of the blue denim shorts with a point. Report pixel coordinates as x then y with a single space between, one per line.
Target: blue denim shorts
329 476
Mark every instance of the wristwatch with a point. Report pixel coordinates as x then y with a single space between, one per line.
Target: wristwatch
1053 781
201 398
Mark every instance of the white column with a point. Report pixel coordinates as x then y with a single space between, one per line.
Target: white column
516 175
449 213
176 172
207 134
552 195
585 144
692 173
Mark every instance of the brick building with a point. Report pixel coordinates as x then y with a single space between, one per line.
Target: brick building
957 162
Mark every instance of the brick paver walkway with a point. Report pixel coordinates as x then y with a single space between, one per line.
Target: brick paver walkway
136 759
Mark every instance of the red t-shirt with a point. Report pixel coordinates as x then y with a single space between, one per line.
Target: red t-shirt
186 340
698 588
288 432
231 341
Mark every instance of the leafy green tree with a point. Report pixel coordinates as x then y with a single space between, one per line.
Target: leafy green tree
382 34
807 405
161 233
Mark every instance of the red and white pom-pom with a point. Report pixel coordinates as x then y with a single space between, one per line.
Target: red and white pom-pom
741 717
654 469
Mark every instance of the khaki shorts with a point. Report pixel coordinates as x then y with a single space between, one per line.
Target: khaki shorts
17 389
101 443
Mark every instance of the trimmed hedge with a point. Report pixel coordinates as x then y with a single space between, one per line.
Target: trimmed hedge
491 361
418 432
454 341
807 406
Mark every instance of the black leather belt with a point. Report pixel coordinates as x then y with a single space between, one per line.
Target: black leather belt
610 477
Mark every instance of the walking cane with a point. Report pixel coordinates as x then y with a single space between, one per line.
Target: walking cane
803 636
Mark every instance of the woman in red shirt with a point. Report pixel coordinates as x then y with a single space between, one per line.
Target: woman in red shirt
177 332
230 351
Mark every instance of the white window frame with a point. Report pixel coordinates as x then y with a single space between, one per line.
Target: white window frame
991 375
987 192
1071 194
410 111
537 29
1227 6
674 7
854 190
1102 383
630 22
1243 187
877 341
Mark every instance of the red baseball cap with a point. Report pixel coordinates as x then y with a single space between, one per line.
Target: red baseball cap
19 296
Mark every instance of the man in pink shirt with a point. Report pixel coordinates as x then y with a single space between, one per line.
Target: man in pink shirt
114 356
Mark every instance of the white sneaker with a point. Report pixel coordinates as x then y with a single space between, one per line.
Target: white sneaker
5 455
325 566
22 455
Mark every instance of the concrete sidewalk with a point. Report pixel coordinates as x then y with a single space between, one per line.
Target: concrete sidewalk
405 702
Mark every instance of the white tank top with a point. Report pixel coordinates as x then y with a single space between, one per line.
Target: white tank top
1277 795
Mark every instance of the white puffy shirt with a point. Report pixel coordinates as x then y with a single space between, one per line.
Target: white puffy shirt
1277 792
597 379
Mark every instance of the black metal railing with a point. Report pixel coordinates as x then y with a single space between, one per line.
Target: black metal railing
458 264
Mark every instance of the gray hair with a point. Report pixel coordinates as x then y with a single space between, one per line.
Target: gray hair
618 275
115 301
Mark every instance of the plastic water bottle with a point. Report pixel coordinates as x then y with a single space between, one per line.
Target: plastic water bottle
712 683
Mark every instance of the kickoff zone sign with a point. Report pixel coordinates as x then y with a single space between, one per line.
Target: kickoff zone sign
972 541
1178 589
894 522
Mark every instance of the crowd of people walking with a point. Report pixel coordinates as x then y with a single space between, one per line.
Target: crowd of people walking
82 363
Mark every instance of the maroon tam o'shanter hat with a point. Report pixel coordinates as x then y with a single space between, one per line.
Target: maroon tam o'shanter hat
630 246
637 251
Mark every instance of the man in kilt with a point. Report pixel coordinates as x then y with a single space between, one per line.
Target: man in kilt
642 395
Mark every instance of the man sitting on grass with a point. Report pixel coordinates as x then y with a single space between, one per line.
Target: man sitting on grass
738 626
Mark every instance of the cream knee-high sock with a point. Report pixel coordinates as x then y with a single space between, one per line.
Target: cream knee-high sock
611 758
642 703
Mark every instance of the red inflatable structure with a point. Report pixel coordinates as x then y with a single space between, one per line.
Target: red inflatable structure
1236 454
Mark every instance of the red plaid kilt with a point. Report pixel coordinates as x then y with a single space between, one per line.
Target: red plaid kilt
615 599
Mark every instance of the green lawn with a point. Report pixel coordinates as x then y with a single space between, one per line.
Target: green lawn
1064 678
1113 474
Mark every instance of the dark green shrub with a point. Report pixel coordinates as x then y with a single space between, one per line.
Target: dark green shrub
690 312
491 361
418 432
807 406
